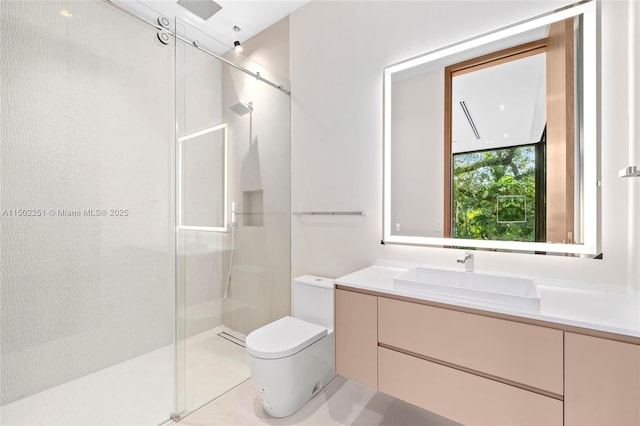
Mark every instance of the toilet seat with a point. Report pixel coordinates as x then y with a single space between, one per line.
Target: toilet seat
283 338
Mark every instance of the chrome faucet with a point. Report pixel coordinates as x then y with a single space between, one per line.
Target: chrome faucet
467 261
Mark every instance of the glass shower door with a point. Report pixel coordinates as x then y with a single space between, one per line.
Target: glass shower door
233 151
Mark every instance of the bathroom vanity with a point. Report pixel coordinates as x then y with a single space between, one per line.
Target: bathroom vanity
573 361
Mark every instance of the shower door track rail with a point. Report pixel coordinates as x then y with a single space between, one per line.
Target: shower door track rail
236 66
197 45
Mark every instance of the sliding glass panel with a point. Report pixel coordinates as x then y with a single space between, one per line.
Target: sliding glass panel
202 166
87 242
232 278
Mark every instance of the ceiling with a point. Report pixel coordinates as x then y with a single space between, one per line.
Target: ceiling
251 16
507 104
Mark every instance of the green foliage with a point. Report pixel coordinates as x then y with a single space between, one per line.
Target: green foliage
479 178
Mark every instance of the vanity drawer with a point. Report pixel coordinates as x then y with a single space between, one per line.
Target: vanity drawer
461 396
521 353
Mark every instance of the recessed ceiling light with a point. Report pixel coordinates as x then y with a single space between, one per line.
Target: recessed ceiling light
501 107
66 13
506 135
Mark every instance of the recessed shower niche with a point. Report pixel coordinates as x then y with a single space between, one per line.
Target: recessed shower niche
253 208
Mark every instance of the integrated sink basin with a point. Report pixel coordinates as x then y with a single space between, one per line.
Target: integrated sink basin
519 293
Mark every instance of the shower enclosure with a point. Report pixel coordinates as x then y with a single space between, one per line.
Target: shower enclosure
144 201
239 122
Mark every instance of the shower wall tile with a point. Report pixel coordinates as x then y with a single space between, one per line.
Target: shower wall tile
87 123
202 85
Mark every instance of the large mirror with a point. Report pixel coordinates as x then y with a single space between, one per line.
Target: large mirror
493 142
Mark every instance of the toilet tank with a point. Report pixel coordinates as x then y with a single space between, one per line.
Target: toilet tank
313 300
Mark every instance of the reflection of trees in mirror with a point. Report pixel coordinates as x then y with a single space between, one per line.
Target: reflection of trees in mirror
512 208
479 178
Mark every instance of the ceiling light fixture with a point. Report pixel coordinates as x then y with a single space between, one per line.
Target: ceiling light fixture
66 13
236 44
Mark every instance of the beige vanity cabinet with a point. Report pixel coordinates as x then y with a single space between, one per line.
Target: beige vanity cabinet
602 382
485 369
470 368
520 353
356 317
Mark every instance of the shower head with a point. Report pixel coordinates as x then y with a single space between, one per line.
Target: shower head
203 9
241 108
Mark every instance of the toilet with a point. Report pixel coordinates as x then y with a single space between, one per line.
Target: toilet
292 359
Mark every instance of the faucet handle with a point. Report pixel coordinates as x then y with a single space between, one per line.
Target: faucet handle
467 261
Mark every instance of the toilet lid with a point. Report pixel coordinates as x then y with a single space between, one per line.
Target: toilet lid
283 338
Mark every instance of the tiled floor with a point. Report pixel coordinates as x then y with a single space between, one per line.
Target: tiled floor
138 391
214 366
342 402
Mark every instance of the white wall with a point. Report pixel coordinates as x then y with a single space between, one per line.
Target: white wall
87 123
270 48
336 76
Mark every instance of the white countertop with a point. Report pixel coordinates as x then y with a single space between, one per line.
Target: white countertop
595 309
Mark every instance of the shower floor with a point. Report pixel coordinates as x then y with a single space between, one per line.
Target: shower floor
138 391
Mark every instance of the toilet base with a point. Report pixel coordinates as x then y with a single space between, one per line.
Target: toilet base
284 385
